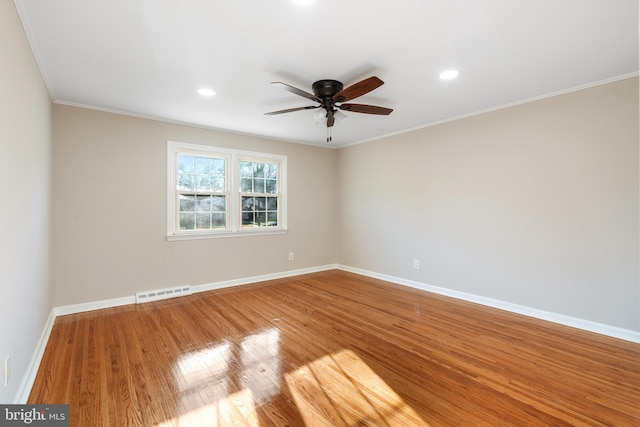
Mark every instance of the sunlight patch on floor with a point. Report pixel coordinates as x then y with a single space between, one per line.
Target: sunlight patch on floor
340 389
203 367
260 363
239 409
222 384
225 383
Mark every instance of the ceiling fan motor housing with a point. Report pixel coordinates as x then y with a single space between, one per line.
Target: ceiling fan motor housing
324 89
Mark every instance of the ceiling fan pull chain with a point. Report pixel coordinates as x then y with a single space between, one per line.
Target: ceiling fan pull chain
328 134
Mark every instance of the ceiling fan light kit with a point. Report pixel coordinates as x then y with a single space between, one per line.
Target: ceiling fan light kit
331 96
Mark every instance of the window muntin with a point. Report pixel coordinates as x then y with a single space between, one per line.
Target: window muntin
215 192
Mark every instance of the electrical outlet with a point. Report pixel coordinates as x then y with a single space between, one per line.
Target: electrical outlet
416 264
7 370
290 256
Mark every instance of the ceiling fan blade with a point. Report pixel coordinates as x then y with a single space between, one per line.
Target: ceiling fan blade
330 118
368 109
290 110
297 91
358 89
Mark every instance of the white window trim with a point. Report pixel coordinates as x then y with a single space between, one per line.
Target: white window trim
234 226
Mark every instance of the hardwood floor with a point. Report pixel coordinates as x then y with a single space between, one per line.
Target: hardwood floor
333 349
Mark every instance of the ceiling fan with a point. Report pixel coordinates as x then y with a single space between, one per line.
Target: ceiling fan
332 96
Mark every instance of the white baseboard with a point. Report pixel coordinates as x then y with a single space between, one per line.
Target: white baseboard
586 325
116 302
94 305
262 278
34 364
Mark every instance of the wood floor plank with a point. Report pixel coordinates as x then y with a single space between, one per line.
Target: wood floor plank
333 349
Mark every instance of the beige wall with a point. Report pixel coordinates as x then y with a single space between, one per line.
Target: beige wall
535 205
109 210
25 117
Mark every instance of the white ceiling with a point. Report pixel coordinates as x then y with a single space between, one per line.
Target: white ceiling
148 57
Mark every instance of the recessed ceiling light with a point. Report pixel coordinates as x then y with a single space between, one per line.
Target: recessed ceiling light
206 92
449 74
303 2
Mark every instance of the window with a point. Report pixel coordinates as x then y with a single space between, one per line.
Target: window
216 192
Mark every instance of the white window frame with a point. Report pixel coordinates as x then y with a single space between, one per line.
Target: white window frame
232 191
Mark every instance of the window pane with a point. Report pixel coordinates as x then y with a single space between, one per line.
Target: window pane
272 219
187 203
187 221
272 203
203 165
217 184
203 221
261 218
203 203
246 185
260 203
247 203
185 182
218 220
185 164
218 203
272 186
203 182
246 169
270 171
258 170
258 185
247 219
217 167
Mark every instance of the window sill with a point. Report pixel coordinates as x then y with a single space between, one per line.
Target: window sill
258 231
